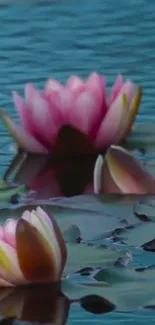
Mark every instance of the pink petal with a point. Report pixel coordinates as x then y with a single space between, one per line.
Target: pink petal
52 86
87 112
103 182
129 89
40 260
47 227
26 216
121 172
44 216
65 104
111 124
116 89
53 99
9 232
97 175
60 99
24 112
32 217
75 85
97 85
38 104
45 116
9 267
23 139
131 115
54 235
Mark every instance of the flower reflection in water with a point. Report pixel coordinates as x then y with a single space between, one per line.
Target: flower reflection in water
43 304
51 178
70 176
46 304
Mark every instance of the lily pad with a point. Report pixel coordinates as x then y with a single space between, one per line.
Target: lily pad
12 194
145 209
128 290
96 217
139 235
89 255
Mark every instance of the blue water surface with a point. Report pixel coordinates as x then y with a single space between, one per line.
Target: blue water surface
42 39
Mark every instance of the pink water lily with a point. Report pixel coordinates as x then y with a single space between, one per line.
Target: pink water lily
120 172
32 250
82 104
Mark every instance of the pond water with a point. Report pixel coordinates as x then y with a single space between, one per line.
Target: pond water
39 39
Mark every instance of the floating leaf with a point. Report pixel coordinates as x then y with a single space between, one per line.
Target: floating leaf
149 246
102 214
72 234
145 209
89 255
139 235
115 275
128 290
11 194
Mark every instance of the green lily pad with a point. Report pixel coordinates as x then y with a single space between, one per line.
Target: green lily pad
139 235
128 290
94 216
11 193
89 255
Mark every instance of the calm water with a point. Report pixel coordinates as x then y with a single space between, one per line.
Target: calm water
60 38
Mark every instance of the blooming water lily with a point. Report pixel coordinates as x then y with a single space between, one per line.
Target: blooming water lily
120 172
32 250
82 105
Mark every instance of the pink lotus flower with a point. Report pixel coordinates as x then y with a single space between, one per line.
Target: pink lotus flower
120 172
83 105
32 250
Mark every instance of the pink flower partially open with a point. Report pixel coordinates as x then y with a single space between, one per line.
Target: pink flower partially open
120 172
81 104
32 250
